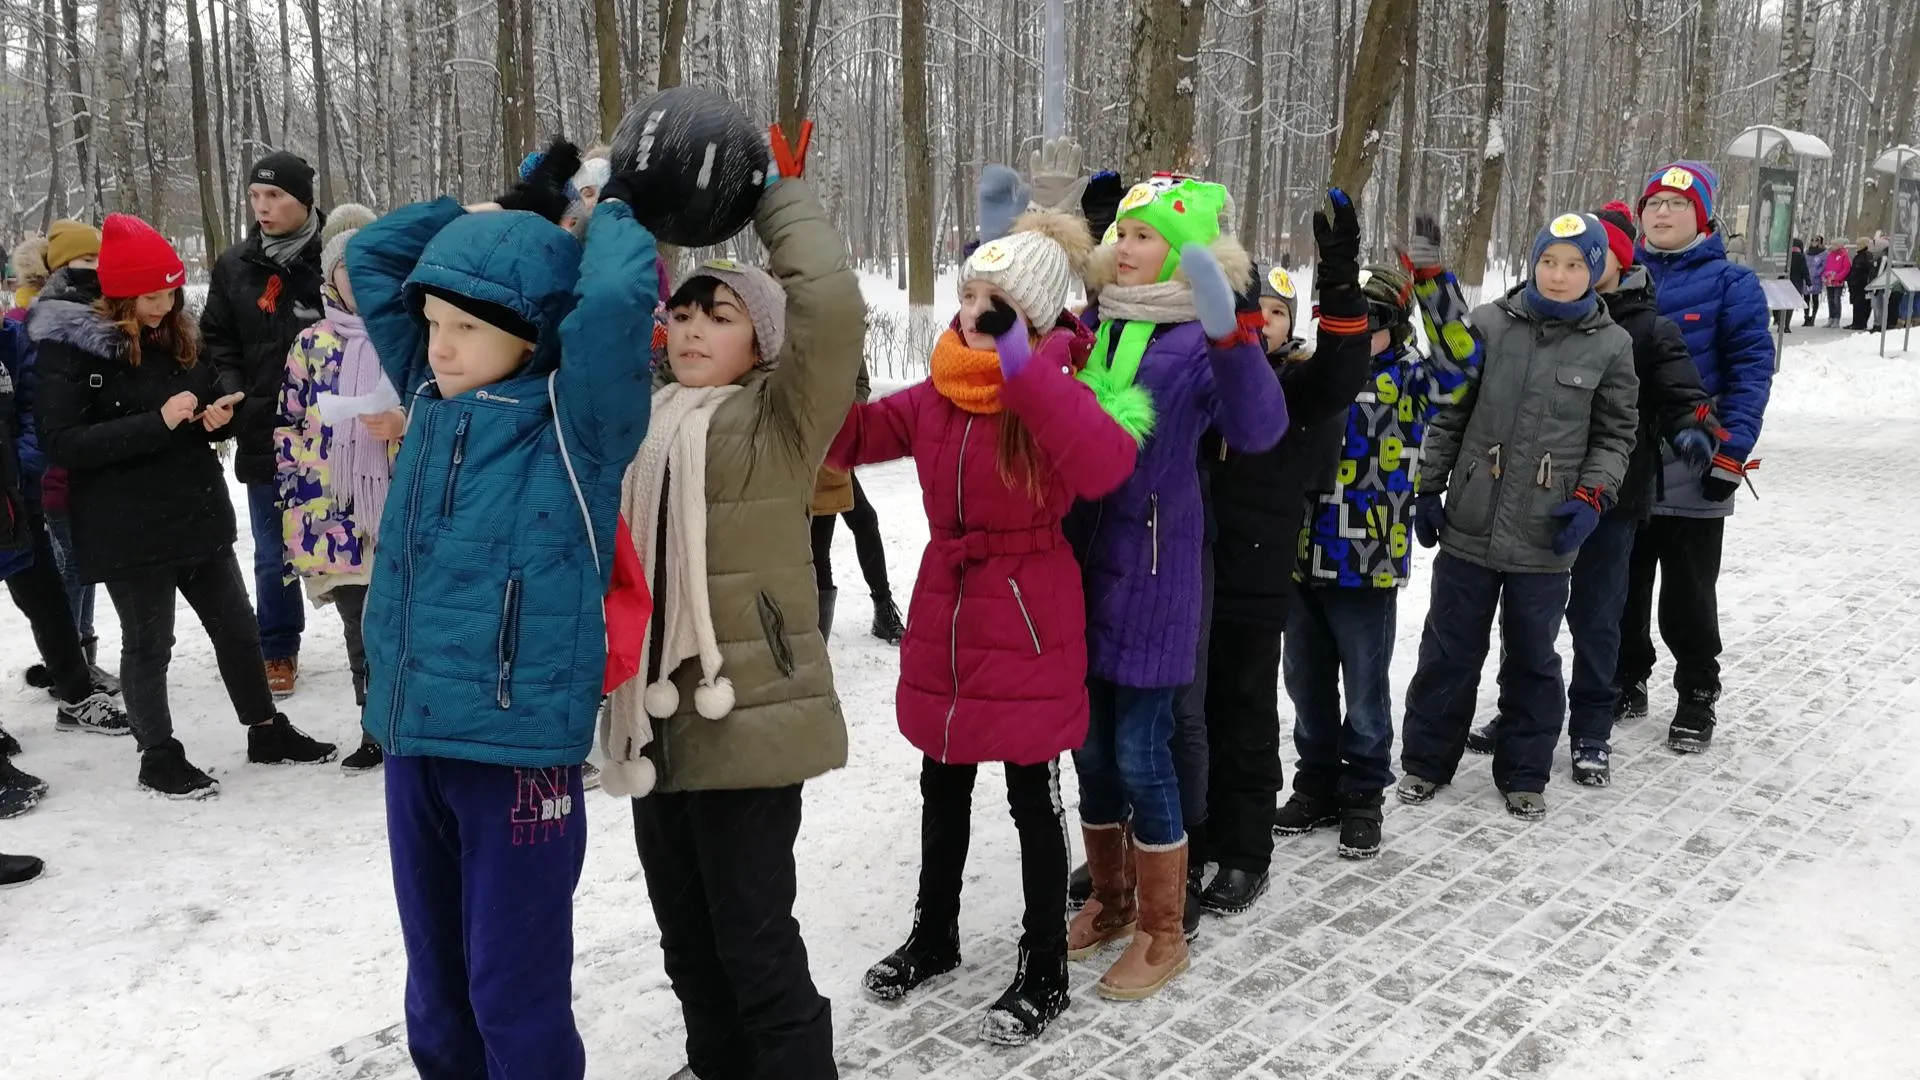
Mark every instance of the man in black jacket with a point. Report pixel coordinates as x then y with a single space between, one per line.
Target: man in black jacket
265 291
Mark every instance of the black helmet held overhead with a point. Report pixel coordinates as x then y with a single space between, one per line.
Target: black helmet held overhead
695 163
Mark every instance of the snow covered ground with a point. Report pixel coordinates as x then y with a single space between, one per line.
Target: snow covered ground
256 931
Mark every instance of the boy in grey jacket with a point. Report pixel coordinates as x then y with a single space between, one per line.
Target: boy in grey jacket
1533 453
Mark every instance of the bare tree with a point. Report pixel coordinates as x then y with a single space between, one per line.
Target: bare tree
212 226
1470 261
1370 89
917 155
1160 104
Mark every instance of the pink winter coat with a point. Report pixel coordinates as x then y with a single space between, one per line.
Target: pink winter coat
994 664
1839 265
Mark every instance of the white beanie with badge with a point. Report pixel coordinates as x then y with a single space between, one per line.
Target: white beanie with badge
1036 265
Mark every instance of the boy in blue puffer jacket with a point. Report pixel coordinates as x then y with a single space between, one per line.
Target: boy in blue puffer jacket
1723 316
485 632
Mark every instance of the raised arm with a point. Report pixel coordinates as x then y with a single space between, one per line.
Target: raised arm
826 317
1238 389
1078 441
877 431
605 373
379 258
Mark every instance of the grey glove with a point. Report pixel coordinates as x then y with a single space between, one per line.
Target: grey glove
1423 250
1001 197
1059 176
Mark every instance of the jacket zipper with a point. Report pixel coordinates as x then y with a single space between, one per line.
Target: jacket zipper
959 591
1153 527
406 592
509 640
459 458
1021 599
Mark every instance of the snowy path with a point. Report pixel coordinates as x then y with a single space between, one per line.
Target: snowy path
1748 913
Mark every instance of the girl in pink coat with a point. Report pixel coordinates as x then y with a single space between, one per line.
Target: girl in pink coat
994 663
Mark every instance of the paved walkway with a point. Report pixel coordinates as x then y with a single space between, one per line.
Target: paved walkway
1477 945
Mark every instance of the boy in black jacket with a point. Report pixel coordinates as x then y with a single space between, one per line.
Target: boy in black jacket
1676 418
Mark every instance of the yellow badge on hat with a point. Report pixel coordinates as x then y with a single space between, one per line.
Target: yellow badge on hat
1140 195
992 256
1568 225
722 264
1112 235
1676 178
1282 283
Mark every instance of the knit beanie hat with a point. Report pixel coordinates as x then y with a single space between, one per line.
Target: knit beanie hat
334 254
1389 293
1181 209
70 240
594 173
1036 264
287 171
495 315
135 260
1278 285
347 217
766 302
1617 217
1584 232
1697 182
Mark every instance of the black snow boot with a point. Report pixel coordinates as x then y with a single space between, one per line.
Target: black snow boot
19 792
1233 891
18 870
9 745
1190 915
1592 766
1079 887
38 678
1692 728
827 599
886 619
933 948
278 742
1360 816
1630 702
1481 740
1311 806
1037 995
366 759
166 771
103 681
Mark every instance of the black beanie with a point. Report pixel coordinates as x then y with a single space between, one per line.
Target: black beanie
497 315
287 171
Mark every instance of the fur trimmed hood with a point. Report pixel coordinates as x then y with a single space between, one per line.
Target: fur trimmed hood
75 324
1233 259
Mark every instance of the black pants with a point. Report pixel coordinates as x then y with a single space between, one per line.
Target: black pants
867 545
1862 310
1243 743
720 874
1453 648
351 600
41 595
1811 300
1190 726
946 815
1686 553
218 594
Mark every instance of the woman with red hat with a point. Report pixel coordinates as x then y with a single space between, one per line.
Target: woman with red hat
130 412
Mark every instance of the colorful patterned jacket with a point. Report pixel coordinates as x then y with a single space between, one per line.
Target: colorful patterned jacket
1359 529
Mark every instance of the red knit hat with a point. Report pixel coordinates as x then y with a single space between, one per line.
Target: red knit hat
1692 180
1618 218
135 260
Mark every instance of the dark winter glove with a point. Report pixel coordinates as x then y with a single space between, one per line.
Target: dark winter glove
1336 233
1423 250
1429 518
1002 197
1582 513
543 189
1695 447
1724 477
1010 337
1101 202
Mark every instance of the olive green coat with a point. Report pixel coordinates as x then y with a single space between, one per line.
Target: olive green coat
764 447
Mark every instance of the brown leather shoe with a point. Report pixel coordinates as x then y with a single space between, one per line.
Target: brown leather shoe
1159 949
1108 914
281 675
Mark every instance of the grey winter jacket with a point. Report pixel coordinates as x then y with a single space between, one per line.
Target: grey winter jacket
1555 407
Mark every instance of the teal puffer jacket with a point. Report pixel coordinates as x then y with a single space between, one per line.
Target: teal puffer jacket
486 638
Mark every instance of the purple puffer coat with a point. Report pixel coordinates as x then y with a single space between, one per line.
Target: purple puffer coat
1139 547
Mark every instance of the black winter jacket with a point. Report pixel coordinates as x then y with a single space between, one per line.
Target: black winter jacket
1670 392
1866 267
140 495
255 310
1259 500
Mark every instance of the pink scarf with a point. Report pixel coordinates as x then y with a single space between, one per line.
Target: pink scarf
362 460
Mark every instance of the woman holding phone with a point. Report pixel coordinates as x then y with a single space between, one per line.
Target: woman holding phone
128 410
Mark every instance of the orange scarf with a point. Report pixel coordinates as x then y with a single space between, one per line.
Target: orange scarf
970 378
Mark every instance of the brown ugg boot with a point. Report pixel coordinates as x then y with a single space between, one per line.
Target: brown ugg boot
1108 914
1159 949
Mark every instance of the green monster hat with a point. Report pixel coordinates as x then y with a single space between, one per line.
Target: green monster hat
1183 211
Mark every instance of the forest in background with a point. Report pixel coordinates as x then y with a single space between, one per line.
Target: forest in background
1493 112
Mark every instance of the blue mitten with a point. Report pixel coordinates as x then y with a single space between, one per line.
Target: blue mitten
1429 518
1213 296
1002 198
1695 447
1010 337
1582 514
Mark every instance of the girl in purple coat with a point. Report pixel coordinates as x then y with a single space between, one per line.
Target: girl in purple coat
1171 359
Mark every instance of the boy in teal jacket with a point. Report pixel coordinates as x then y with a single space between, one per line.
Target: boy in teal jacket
515 352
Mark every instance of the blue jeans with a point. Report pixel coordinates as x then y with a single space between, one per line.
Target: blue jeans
1453 648
278 606
1127 762
79 597
1335 635
1597 600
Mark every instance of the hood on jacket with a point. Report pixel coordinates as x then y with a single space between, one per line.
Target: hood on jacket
75 324
1632 295
513 258
72 284
1233 258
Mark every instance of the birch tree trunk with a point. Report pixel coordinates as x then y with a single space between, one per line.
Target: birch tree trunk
1696 136
81 111
916 154
214 228
606 41
323 107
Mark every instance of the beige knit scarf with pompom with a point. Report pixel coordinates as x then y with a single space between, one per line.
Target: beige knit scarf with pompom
676 447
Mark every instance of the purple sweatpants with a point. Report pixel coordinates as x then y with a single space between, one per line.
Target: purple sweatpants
485 861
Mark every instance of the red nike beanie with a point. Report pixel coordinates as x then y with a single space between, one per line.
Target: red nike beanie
135 260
